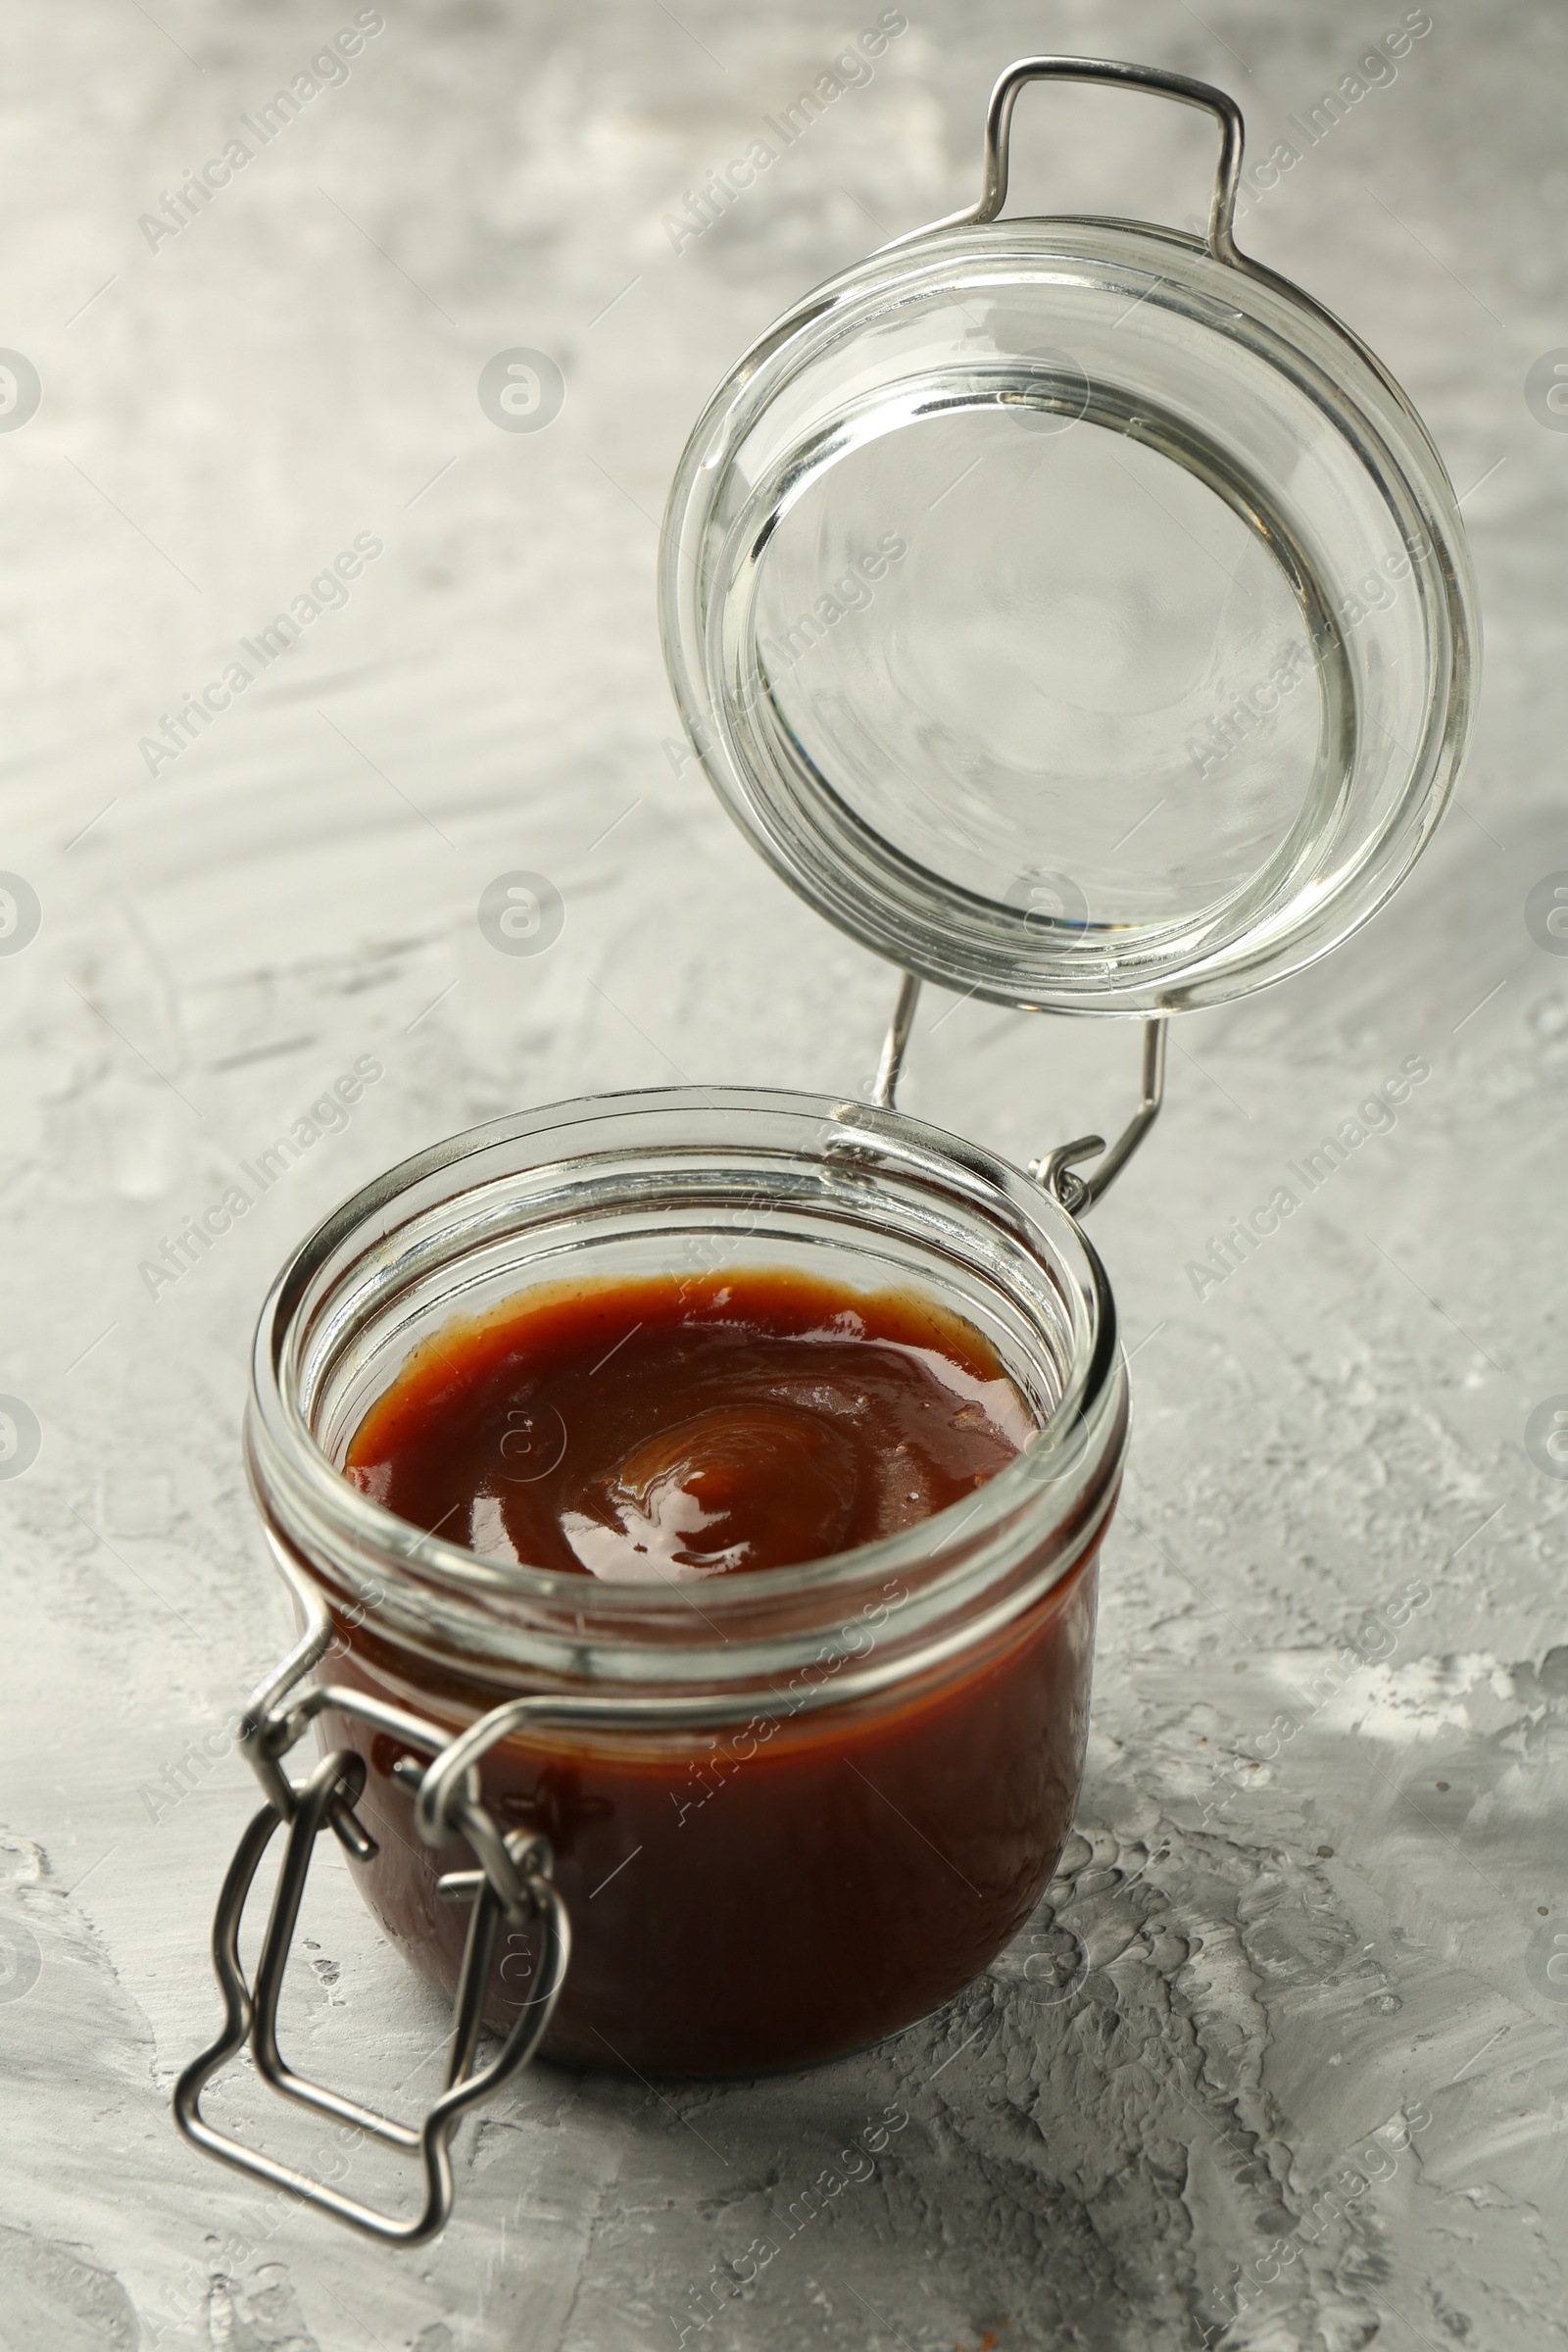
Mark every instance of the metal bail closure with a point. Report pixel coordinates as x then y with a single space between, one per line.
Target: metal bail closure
521 1860
1053 1169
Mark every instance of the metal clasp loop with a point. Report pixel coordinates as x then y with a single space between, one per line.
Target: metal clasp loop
514 1882
1111 74
1055 1169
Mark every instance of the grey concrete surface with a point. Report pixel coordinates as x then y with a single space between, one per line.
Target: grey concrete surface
1308 2084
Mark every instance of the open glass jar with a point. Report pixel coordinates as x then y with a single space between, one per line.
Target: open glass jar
938 649
813 1801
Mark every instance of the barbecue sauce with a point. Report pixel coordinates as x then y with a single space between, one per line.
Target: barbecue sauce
687 1430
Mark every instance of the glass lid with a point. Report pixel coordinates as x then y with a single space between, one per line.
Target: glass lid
1072 610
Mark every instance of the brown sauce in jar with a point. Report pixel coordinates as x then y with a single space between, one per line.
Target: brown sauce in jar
680 1430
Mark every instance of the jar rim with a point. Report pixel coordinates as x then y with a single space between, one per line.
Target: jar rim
348 1540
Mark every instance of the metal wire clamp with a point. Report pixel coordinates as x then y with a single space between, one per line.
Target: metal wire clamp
515 1880
1055 1169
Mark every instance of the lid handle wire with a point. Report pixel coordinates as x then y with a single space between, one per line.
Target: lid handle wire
1111 74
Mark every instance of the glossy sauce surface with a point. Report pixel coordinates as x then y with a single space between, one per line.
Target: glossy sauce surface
683 1429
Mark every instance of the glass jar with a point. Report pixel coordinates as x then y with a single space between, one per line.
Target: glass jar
1078 615
788 1813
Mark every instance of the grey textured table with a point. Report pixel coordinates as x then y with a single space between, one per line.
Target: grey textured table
1309 2070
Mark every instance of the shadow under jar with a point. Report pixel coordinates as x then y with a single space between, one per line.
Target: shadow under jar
789 1810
